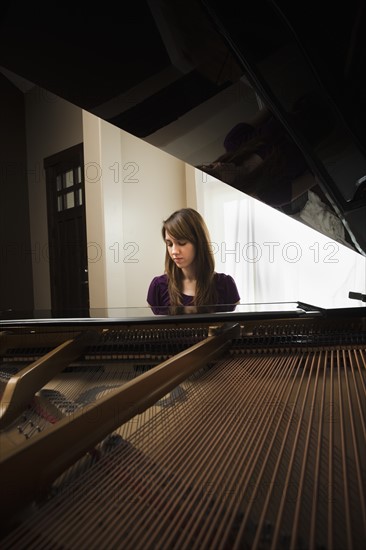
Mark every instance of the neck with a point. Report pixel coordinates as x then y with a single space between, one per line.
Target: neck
189 274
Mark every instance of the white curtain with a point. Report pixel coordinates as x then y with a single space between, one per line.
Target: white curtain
274 258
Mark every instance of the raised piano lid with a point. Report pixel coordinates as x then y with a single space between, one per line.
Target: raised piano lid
160 70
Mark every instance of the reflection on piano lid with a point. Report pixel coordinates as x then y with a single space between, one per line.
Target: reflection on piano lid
157 70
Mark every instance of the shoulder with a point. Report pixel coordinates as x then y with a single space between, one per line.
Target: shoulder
223 279
226 288
160 280
158 293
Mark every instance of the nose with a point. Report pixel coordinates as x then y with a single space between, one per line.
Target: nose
175 249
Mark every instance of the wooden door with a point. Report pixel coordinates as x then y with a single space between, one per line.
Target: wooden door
67 233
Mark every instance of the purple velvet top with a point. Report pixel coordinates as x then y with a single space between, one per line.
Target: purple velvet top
158 295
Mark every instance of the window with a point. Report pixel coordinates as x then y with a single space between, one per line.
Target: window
274 257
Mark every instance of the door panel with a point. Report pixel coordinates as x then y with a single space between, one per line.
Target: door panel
67 232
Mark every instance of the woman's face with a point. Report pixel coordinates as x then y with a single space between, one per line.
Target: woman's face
182 252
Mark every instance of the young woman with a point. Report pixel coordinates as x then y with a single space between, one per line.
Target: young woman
190 283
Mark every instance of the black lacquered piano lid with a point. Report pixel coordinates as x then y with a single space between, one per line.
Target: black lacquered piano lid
162 60
289 54
144 315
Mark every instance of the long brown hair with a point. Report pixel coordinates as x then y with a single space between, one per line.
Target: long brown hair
188 225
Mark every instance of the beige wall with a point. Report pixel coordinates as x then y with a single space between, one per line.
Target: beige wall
52 125
159 189
130 187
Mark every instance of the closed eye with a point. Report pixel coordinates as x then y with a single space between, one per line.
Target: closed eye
179 243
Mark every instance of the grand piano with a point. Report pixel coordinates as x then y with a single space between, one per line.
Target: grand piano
240 429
